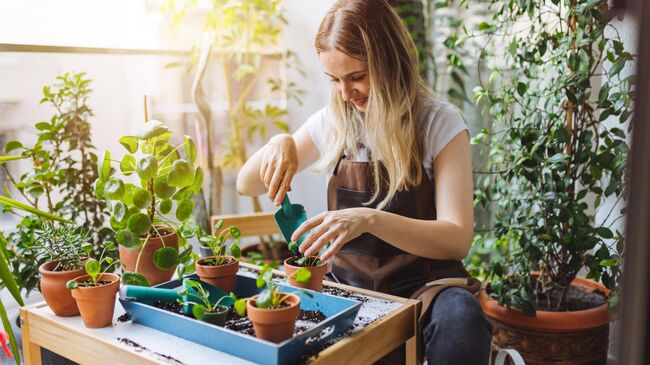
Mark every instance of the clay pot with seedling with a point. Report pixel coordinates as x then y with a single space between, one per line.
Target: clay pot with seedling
95 292
151 243
272 312
220 270
314 264
204 309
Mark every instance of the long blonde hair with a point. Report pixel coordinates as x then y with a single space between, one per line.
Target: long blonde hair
371 31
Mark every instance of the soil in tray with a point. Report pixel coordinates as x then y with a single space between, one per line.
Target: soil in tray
243 324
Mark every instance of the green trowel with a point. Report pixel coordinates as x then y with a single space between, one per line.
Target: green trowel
289 217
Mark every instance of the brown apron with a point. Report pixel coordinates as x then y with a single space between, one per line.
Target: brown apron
370 263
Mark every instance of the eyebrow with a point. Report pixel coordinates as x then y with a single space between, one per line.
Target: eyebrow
348 75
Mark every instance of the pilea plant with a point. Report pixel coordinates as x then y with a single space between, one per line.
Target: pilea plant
303 260
165 184
270 297
194 289
94 270
218 244
559 147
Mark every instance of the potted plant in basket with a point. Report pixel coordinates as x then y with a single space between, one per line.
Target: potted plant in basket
315 265
272 312
556 153
95 292
220 270
65 247
149 241
205 310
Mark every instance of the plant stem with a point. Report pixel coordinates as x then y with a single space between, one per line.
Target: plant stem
137 262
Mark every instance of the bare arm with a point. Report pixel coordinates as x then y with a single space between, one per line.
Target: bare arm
273 166
447 237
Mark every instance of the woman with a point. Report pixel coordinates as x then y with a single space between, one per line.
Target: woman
384 129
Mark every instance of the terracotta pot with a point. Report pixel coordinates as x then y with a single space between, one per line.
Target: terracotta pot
57 296
222 276
317 274
96 303
577 337
155 276
275 325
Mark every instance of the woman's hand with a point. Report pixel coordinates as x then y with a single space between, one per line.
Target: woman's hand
279 165
337 226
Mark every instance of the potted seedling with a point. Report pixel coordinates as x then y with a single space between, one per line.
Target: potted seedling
95 292
64 247
205 310
151 244
314 264
272 312
220 270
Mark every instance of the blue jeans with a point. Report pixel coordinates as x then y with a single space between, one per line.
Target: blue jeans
457 332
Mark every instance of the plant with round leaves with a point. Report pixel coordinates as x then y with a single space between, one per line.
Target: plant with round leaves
219 244
195 290
152 188
93 268
271 297
561 101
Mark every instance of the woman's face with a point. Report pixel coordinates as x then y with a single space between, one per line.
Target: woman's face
349 76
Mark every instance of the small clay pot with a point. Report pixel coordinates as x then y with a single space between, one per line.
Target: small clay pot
96 303
146 267
222 276
317 274
56 295
217 317
275 325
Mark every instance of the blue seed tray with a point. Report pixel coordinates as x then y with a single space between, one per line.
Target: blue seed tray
340 313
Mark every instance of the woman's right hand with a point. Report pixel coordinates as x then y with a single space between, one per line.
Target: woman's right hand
279 165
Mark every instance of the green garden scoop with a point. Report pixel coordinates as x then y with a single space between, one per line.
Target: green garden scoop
148 295
289 217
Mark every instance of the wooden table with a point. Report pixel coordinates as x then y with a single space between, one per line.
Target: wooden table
69 338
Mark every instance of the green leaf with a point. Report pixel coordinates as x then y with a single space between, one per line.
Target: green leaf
6 275
165 258
198 311
22 206
181 174
119 211
141 198
616 67
218 225
139 224
604 232
114 188
265 299
522 88
190 149
43 126
132 278
127 239
4 159
93 267
198 181
12 145
127 165
72 284
99 189
151 129
240 307
234 231
104 169
147 167
162 189
235 250
303 275
130 143
166 206
184 209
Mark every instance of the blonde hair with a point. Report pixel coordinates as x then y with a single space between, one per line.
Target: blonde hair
371 31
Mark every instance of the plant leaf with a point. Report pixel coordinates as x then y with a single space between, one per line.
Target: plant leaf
22 206
141 198
132 278
147 167
119 211
127 239
198 311
190 149
181 174
12 145
184 209
127 165
139 224
4 159
130 143
114 188
151 129
165 258
162 189
92 267
166 206
104 169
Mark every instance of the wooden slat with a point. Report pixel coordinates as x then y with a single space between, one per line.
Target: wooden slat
252 224
31 351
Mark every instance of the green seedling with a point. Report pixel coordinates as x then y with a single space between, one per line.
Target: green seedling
94 270
218 244
204 307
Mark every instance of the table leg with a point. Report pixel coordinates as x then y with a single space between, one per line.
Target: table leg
412 351
31 351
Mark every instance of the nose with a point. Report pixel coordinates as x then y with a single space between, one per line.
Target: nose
346 91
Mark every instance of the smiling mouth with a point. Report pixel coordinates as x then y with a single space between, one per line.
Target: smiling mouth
360 101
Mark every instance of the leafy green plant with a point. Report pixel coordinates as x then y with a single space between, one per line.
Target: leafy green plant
560 101
240 36
94 270
194 289
303 260
271 297
66 244
218 244
61 176
165 185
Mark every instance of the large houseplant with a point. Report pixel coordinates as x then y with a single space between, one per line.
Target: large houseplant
151 243
560 102
240 38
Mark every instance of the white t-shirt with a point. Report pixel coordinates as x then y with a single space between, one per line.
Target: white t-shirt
440 123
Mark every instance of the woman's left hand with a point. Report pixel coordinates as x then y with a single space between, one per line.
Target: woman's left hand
337 226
